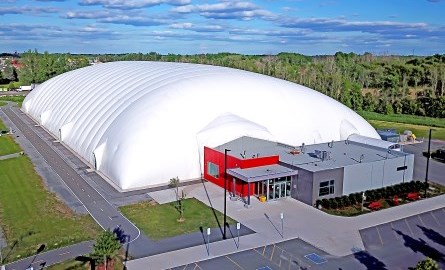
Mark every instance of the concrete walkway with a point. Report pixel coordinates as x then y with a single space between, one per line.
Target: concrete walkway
9 156
338 236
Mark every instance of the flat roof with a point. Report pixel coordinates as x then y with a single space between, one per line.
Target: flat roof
339 153
261 173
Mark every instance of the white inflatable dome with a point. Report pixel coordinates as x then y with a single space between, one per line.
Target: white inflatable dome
142 123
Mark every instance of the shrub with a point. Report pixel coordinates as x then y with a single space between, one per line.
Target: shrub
390 191
333 203
339 202
345 200
325 203
317 203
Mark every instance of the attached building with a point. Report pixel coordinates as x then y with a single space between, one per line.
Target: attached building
273 170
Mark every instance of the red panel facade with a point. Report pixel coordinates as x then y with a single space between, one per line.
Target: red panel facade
217 158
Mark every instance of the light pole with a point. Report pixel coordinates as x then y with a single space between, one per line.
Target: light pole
225 191
2 267
428 160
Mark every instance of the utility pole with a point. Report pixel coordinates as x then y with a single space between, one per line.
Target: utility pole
428 161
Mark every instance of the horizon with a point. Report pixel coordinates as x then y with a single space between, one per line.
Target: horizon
256 27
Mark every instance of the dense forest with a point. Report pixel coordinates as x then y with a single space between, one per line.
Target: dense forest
384 84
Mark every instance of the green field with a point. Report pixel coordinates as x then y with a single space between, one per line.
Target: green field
7 145
160 220
2 126
405 119
31 216
421 132
17 99
3 103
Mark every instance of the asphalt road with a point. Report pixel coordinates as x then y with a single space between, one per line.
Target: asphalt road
436 170
106 215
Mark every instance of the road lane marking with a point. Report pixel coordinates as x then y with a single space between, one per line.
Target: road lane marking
61 254
38 262
110 218
101 210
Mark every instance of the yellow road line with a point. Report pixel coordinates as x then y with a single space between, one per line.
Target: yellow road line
234 262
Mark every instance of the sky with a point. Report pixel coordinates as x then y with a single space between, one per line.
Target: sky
310 27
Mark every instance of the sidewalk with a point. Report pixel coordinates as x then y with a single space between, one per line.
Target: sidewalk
335 235
9 156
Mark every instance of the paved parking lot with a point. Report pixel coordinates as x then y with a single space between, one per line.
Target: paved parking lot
405 241
395 245
291 254
284 255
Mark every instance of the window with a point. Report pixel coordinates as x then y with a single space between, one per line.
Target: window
326 188
213 169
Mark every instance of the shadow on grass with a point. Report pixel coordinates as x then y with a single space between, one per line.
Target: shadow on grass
433 235
211 206
85 260
14 244
422 247
369 261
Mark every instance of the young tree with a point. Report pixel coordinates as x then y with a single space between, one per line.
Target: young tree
106 247
174 183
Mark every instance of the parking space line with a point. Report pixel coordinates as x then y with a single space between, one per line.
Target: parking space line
378 232
273 250
409 228
234 262
435 219
394 231
197 266
264 249
421 221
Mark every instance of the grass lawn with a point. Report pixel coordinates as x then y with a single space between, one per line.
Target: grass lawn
405 119
16 99
160 220
31 216
3 103
419 130
2 126
7 144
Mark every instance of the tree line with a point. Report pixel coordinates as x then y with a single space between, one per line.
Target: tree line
385 84
34 67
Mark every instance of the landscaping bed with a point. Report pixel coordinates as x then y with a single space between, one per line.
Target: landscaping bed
377 199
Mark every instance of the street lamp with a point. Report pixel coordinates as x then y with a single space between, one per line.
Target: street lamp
225 191
428 160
